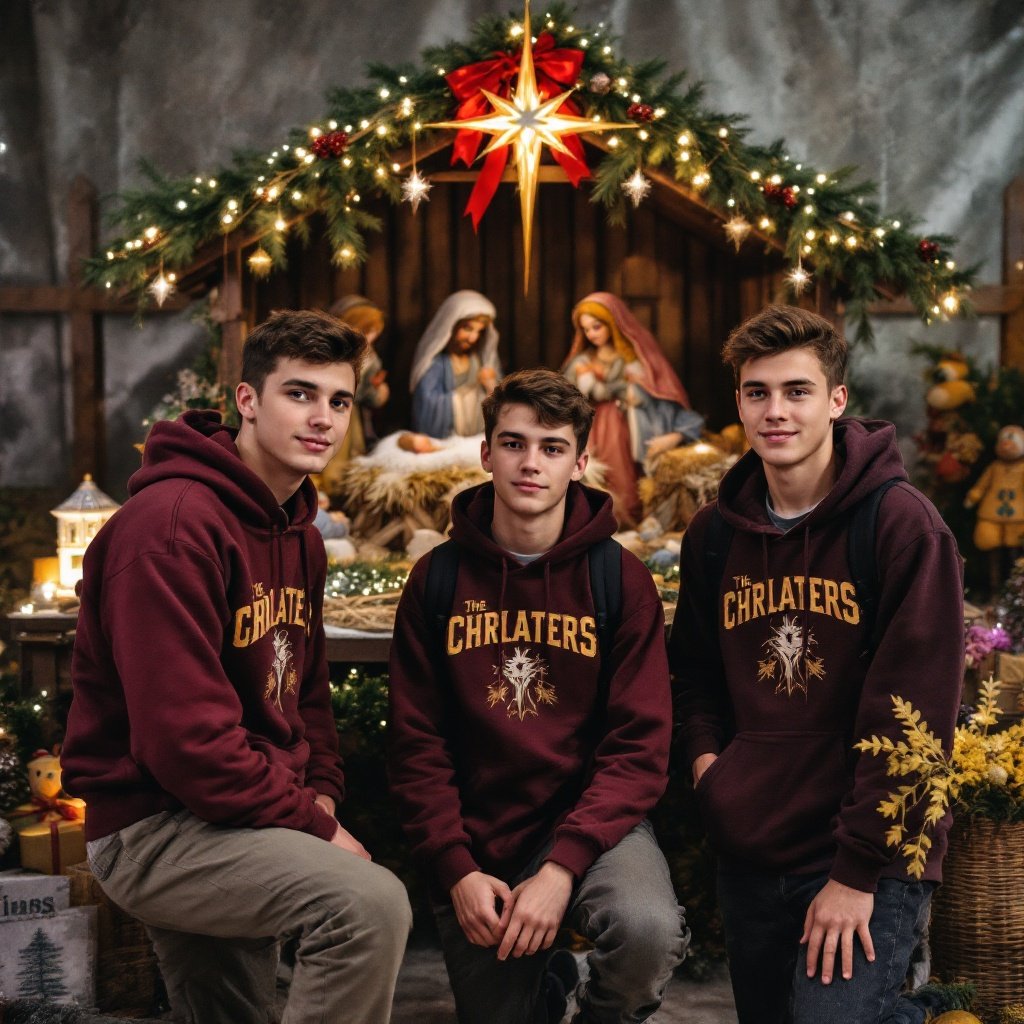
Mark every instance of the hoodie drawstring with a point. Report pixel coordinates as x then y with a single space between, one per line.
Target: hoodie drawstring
804 621
501 613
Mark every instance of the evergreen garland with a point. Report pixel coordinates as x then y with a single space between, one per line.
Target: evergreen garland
827 222
365 578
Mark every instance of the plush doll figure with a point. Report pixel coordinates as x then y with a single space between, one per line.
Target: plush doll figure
999 495
47 804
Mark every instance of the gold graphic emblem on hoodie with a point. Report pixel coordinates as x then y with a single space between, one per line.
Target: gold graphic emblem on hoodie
521 685
282 677
789 662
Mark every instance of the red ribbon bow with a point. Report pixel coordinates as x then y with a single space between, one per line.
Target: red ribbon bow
556 70
42 807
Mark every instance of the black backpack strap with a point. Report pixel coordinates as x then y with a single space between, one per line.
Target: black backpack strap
442 573
860 542
717 541
605 559
606 586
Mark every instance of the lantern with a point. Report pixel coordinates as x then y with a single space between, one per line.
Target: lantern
79 519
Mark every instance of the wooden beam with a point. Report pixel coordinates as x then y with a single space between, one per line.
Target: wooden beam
547 174
1012 340
987 300
88 420
56 298
229 312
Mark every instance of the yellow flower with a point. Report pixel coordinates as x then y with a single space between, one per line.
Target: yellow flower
983 774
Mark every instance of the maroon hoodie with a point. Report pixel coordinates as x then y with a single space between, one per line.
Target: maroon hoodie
199 668
775 677
502 740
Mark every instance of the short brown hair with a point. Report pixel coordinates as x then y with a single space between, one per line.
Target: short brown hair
554 400
781 328
305 334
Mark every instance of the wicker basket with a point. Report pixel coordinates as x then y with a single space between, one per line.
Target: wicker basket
127 976
977 928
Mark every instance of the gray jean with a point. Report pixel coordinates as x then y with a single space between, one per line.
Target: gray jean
216 900
624 905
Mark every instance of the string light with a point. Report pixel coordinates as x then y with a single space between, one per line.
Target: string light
951 302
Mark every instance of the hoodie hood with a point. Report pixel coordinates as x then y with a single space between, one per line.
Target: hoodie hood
588 519
514 724
867 455
198 446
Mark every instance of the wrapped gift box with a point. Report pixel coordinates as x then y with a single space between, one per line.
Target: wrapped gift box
52 847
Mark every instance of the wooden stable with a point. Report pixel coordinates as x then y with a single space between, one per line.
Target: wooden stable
670 261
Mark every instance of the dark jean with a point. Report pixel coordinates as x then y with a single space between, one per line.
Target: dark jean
764 915
624 905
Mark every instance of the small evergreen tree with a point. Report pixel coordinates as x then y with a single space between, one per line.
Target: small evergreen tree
41 975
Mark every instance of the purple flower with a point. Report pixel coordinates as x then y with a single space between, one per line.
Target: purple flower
981 641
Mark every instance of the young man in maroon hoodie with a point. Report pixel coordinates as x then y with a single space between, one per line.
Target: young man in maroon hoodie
524 753
782 668
201 734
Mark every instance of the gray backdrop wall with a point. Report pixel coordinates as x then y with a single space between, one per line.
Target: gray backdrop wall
926 96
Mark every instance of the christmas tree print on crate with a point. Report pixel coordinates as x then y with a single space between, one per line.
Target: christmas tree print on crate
47 950
42 970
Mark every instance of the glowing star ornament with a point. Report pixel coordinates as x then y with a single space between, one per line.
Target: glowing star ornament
161 286
637 187
415 190
527 123
736 230
798 279
260 263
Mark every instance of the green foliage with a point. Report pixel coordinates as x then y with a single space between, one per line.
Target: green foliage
830 221
359 697
25 721
365 578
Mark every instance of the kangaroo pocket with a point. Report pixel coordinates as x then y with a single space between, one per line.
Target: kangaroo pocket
770 798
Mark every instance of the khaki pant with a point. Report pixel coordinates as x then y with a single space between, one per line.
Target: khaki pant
216 900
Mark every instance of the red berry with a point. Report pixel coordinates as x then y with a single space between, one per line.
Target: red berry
640 112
